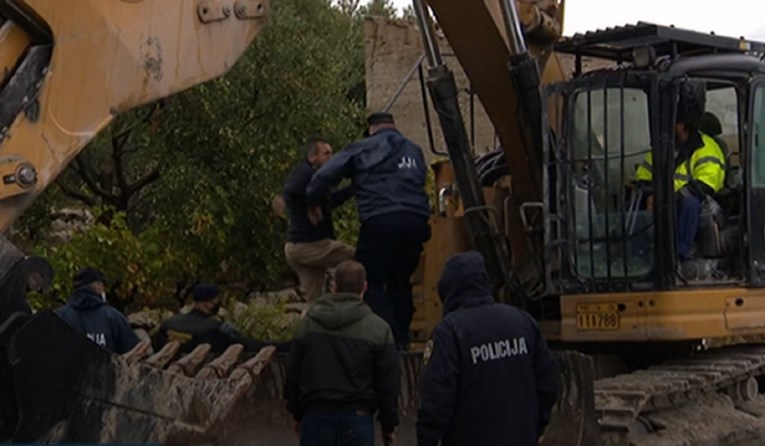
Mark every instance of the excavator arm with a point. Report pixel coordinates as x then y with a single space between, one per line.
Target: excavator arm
477 33
503 73
70 67
489 37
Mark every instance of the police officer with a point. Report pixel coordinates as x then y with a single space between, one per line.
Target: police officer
199 326
699 172
87 312
489 377
388 173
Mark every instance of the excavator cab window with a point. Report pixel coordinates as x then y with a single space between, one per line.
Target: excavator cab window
613 227
607 227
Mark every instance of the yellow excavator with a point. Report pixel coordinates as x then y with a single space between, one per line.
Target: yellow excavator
653 345
570 236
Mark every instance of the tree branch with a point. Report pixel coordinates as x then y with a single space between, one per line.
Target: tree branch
69 192
118 144
143 182
87 177
144 120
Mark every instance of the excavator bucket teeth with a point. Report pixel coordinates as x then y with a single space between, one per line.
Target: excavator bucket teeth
574 420
57 372
164 355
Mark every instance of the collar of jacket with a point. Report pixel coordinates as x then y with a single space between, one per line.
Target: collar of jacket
85 298
385 130
685 151
338 310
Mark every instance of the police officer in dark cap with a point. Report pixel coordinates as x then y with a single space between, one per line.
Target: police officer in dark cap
388 174
87 312
377 118
200 326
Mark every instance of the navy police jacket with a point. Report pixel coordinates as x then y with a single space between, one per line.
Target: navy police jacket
489 377
388 173
87 312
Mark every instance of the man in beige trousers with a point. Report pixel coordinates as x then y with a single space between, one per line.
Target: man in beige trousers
311 248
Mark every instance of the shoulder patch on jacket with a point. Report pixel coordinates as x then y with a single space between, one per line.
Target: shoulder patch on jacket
180 336
428 351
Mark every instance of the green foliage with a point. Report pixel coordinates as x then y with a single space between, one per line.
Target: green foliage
300 79
409 14
383 8
137 267
264 321
220 152
30 229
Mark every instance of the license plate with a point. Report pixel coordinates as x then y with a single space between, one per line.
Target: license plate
597 316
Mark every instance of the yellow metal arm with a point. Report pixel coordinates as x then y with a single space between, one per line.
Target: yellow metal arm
102 57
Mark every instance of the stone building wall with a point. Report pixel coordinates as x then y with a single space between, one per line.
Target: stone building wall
393 47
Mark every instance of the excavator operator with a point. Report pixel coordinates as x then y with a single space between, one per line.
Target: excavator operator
699 171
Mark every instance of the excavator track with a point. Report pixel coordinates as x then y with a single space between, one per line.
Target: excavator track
708 398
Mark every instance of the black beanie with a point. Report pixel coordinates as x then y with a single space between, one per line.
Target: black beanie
380 118
86 276
205 291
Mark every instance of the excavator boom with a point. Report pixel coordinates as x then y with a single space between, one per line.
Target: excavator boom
478 34
72 66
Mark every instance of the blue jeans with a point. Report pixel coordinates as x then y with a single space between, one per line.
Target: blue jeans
688 216
337 428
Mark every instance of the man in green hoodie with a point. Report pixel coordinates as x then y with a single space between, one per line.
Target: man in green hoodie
343 367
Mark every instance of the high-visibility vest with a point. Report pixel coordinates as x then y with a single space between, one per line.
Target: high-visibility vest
706 164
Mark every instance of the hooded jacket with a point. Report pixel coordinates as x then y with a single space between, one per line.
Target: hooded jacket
343 357
388 173
88 313
489 377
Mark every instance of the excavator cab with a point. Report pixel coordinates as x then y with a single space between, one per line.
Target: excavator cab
614 232
623 291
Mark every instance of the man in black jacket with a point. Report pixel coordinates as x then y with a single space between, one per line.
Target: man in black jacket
87 312
388 173
199 326
311 247
342 368
489 377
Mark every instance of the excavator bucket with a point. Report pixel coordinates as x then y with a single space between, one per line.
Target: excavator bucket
58 372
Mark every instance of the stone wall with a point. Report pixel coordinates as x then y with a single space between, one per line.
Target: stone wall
393 47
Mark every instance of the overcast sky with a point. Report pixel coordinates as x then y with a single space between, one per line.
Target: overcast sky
731 17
